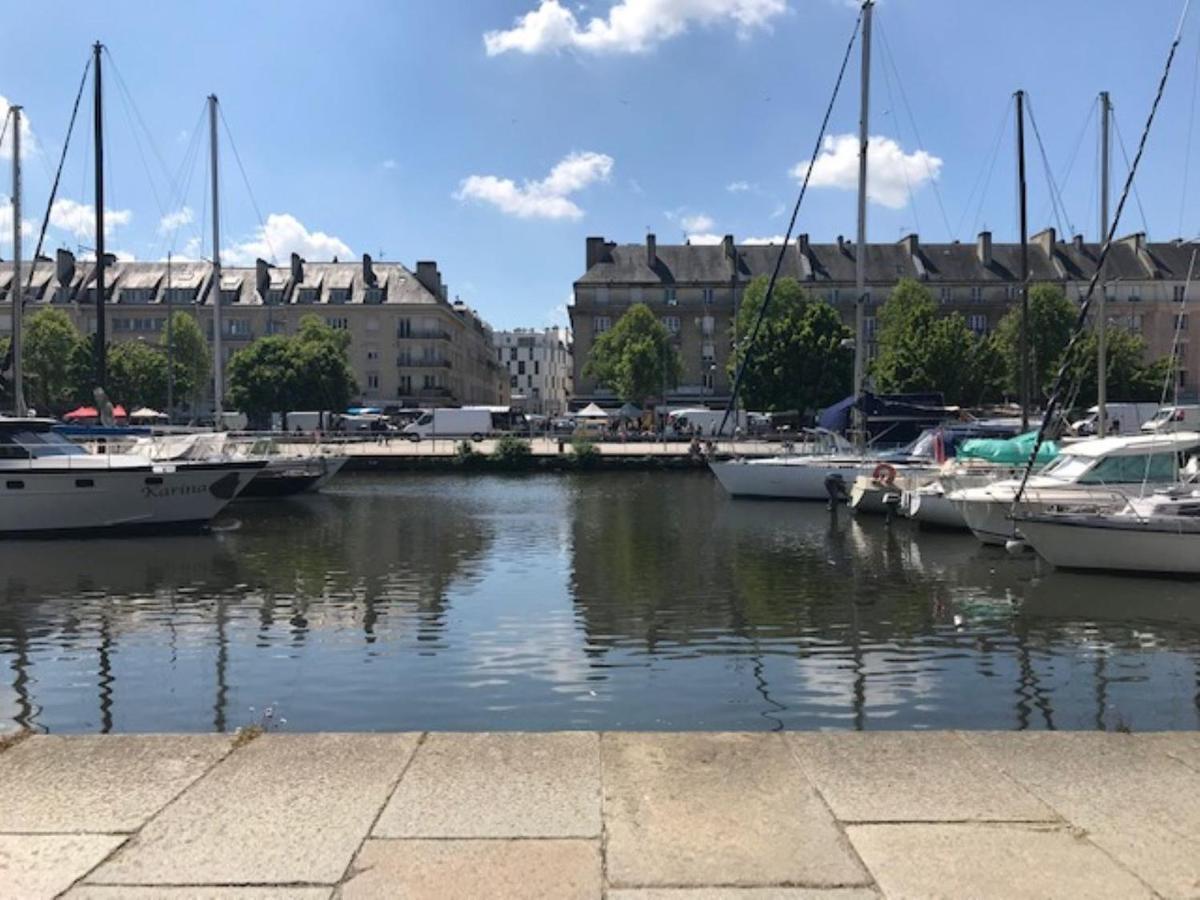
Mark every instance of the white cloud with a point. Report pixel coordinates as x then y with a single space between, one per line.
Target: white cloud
891 173
545 199
6 229
282 236
80 218
28 141
631 26
120 255
559 317
389 164
773 239
698 222
173 221
739 187
704 238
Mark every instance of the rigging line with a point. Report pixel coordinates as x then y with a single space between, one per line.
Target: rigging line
1065 177
1004 117
991 169
124 88
8 114
1081 320
1187 153
1056 201
1137 195
912 200
245 180
57 176
188 168
137 143
890 59
762 310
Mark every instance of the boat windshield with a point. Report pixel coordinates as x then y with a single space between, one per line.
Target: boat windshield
36 444
1155 467
1068 467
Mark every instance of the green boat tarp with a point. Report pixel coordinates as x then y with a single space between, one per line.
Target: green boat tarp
1010 452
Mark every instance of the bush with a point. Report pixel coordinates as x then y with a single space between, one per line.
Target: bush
512 452
584 453
465 454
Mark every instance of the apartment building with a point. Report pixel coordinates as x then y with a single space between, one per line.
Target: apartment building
540 368
410 344
697 290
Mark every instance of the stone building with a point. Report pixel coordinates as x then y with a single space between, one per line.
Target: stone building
697 291
410 345
540 368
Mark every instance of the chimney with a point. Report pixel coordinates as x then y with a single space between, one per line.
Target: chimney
64 266
297 268
912 244
842 246
651 251
430 278
1046 239
1077 240
368 271
262 278
110 259
597 251
983 248
802 244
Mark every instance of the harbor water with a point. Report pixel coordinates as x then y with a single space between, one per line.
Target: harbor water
593 601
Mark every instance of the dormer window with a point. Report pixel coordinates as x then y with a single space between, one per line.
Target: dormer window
339 295
307 295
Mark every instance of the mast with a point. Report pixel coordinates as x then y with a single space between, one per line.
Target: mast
98 132
860 249
170 344
1101 315
218 370
17 292
1024 379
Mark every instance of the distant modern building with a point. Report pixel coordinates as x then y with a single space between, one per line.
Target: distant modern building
540 368
697 291
410 345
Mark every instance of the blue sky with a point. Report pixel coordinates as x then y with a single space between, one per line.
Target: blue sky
495 136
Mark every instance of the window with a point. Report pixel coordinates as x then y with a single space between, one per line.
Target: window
404 328
405 386
709 296
512 354
1177 293
339 295
274 296
429 382
947 294
671 323
835 295
341 323
869 327
537 368
1012 292
512 381
134 295
708 352
1135 295
274 327
601 324
978 322
373 296
1181 322
707 324
236 327
528 381
521 367
307 295
1155 467
372 355
669 297
372 381
977 294
1135 322
229 297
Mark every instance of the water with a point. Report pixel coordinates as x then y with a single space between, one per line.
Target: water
615 601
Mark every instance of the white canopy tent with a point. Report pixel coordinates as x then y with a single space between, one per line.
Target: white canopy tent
591 411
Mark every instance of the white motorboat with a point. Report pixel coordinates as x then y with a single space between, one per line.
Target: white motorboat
1159 534
1091 474
798 476
49 485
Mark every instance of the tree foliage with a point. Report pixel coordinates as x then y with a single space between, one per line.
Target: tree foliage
798 359
1129 376
193 364
921 350
6 396
137 375
1051 321
635 357
51 342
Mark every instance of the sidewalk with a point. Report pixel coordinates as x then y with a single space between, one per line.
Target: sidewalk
629 816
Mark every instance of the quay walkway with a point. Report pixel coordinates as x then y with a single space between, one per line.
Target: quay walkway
627 816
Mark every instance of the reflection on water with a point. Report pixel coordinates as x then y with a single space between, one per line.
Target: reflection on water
603 601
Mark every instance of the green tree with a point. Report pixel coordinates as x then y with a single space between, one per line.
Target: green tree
1129 376
798 360
635 357
326 380
6 395
921 350
193 363
264 378
137 375
1051 321
51 342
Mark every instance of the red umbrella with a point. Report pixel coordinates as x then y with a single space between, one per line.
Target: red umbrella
119 412
83 412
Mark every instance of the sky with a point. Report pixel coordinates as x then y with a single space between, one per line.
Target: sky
494 137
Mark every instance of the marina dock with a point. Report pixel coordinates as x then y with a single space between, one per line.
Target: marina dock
623 815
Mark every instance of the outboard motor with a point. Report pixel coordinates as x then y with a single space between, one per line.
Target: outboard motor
835 489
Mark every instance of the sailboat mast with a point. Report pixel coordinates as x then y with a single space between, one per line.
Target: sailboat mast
860 249
98 132
218 367
17 292
1101 315
1024 224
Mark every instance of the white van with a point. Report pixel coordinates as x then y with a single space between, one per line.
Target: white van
681 422
1174 418
470 421
1123 418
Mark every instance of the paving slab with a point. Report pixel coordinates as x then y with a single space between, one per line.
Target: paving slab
450 869
768 893
1181 745
125 892
284 809
1135 802
498 786
99 783
716 809
988 860
33 866
910 777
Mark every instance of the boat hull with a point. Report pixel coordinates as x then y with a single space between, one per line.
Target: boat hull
933 510
788 479
1087 542
287 477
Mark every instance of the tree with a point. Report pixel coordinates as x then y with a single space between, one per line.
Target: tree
920 350
51 343
137 375
6 394
798 360
326 380
1051 321
1129 376
193 363
264 378
635 357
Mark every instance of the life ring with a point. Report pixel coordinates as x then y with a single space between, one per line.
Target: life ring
884 474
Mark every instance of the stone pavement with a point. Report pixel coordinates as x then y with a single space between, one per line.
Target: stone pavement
628 816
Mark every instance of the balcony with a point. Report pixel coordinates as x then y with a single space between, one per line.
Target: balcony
435 334
405 362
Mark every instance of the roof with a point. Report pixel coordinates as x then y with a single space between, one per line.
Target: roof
1133 446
